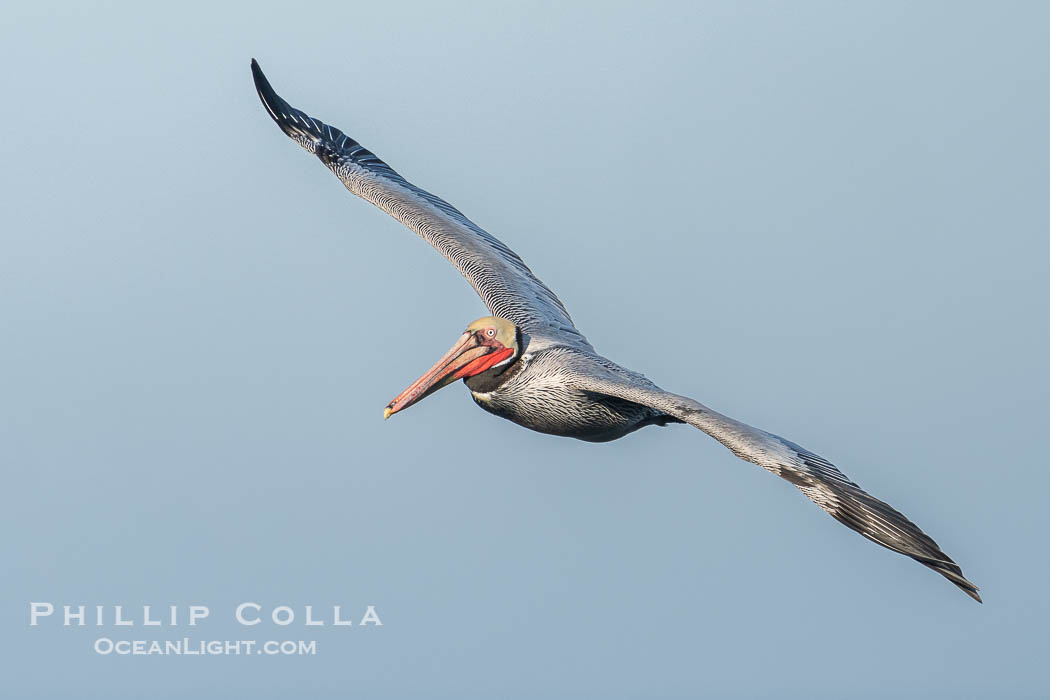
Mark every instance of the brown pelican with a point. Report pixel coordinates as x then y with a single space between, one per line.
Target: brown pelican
529 364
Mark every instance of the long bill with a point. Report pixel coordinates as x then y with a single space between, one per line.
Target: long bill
468 357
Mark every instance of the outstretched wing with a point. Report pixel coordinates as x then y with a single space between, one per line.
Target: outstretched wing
500 277
815 476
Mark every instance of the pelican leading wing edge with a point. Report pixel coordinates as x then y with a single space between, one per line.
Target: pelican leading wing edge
502 280
817 478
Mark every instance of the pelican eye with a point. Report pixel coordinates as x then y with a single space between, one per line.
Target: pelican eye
491 332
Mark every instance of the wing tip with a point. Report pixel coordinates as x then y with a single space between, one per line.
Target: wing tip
257 74
964 585
951 571
275 106
969 589
262 85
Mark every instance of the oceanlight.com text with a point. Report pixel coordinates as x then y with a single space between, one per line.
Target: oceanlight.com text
105 646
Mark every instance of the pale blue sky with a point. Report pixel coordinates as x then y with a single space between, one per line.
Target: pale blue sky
827 219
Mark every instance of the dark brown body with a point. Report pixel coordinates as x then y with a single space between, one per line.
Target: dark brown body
537 393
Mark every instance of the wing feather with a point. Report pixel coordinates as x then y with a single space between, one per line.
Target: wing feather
501 278
817 478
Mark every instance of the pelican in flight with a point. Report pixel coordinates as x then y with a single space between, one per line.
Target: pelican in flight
528 363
